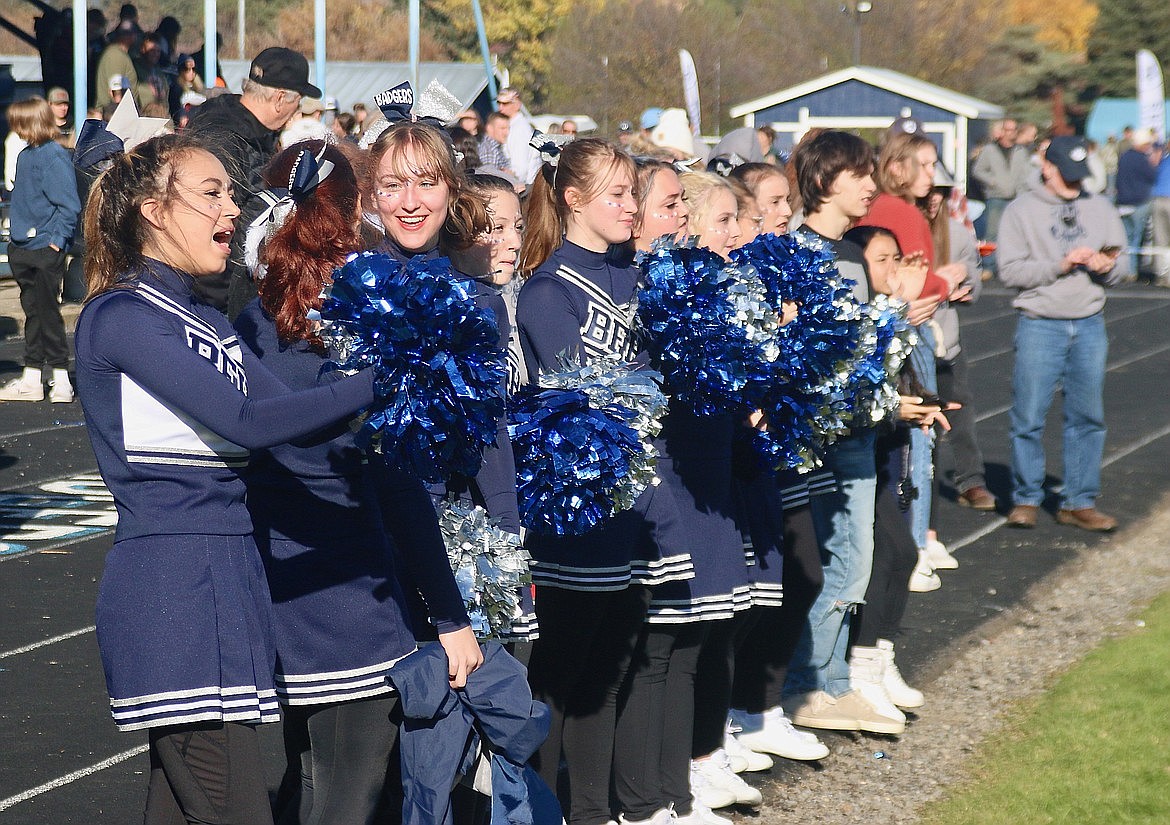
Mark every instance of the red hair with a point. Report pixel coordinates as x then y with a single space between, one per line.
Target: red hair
314 240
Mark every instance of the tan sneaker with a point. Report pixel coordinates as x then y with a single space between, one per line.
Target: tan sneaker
818 709
870 718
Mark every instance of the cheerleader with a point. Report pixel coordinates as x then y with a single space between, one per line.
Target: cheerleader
318 518
579 302
173 405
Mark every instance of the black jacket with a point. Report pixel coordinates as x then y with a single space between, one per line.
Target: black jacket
245 146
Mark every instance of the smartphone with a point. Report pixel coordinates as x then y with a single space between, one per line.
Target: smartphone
1110 250
933 401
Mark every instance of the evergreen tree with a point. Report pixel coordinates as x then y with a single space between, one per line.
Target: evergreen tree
1123 27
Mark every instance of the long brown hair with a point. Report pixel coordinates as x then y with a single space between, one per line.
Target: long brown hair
587 164
467 217
314 240
897 164
114 229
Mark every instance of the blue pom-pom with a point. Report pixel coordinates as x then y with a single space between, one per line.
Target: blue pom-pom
436 354
708 328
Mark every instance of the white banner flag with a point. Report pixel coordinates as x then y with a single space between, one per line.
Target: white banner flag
1151 97
690 77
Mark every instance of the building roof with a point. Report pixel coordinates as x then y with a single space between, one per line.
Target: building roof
887 79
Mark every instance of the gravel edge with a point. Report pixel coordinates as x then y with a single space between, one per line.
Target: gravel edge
1012 657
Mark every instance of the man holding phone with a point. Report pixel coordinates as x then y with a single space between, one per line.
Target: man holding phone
1059 247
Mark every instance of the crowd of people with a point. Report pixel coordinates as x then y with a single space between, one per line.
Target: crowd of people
266 567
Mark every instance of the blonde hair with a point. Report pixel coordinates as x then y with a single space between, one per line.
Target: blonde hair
897 164
467 216
587 164
698 187
33 121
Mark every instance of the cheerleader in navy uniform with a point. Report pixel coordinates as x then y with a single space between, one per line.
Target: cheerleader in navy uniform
173 405
315 504
490 263
579 303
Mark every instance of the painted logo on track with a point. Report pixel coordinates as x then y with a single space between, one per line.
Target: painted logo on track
55 513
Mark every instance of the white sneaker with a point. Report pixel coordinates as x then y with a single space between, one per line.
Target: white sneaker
18 390
701 815
901 694
60 393
924 579
707 785
867 667
719 773
939 557
743 759
771 732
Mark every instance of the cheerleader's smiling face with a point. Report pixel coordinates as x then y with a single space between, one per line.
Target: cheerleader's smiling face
718 227
190 228
599 220
411 198
664 212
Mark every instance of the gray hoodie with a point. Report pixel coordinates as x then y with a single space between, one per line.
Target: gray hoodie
1038 229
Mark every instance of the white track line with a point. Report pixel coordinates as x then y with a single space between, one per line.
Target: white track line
45 642
60 781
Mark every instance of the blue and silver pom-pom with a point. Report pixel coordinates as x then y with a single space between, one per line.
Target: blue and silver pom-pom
439 369
490 567
708 327
886 341
581 442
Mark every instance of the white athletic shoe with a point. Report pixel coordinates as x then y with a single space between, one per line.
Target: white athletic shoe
867 666
901 694
663 816
772 732
939 557
701 815
18 390
743 759
924 579
707 786
719 773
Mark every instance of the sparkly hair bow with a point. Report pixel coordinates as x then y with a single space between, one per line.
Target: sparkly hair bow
436 106
549 146
307 173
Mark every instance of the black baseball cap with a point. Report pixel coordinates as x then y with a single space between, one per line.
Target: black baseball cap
1070 155
281 68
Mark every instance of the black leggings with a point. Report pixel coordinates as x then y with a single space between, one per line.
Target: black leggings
651 761
713 683
336 758
578 668
761 663
207 773
894 556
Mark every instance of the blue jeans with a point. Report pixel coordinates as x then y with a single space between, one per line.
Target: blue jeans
1135 230
922 443
1069 354
843 521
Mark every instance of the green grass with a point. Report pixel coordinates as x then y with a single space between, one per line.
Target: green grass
1093 749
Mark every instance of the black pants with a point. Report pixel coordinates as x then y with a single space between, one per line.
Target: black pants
961 441
209 774
651 761
713 684
579 666
761 664
894 556
38 273
336 761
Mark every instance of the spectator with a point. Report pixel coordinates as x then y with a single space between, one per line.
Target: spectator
470 121
359 115
43 218
569 127
59 103
1160 212
116 61
625 133
187 87
153 83
201 63
525 161
467 145
648 121
1055 251
1002 171
242 131
119 87
1137 171
495 138
344 127
168 32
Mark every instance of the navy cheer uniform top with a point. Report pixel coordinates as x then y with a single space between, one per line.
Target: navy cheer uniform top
582 304
341 619
173 405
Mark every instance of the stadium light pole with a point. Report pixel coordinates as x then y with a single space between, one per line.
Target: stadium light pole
856 10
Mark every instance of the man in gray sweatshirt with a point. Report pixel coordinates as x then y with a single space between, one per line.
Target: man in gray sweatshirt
1060 246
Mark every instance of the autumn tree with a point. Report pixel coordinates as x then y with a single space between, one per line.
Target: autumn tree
1122 28
1062 25
358 30
1022 74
